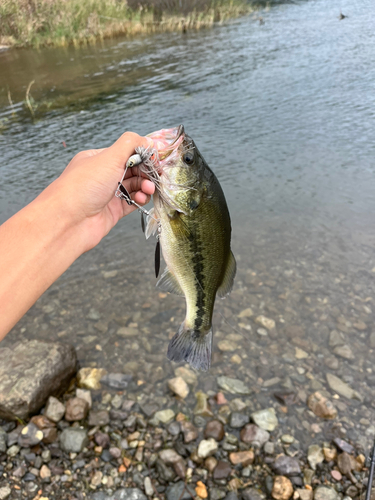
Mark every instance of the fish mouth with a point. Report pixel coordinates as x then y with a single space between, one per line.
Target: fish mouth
167 140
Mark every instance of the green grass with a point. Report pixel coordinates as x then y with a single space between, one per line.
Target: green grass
36 23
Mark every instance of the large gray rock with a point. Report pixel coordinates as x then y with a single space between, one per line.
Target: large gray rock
73 439
30 372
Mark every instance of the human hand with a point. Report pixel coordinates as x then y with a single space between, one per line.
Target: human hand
87 186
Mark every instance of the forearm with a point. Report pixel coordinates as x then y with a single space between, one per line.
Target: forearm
36 246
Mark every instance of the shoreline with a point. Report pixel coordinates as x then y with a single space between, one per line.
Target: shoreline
62 24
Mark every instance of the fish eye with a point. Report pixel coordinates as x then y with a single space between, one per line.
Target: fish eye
189 158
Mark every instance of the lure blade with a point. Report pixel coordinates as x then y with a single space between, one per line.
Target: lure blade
143 222
125 193
157 258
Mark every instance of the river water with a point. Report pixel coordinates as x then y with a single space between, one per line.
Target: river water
284 114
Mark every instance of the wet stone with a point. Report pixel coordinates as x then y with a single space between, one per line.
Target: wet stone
345 463
305 494
190 432
282 488
121 494
30 436
169 456
179 387
232 495
188 375
238 420
341 387
13 450
324 493
233 385
217 494
76 409
174 428
164 416
344 351
3 440
89 378
343 445
73 439
321 406
265 419
54 409
214 429
207 447
254 435
242 457
222 470
252 494
286 466
5 492
315 455
118 381
180 491
98 418
165 472
202 407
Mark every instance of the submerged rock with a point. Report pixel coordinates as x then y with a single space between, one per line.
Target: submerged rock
121 494
266 419
30 372
321 406
233 385
89 378
179 387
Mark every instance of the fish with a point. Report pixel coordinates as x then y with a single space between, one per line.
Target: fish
192 222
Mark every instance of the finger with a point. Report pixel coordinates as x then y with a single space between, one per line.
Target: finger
125 146
134 184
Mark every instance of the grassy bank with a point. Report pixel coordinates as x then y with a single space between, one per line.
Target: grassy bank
38 23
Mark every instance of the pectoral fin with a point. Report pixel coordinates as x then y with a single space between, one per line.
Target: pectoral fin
230 272
168 283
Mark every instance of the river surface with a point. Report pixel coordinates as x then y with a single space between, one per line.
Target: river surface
284 114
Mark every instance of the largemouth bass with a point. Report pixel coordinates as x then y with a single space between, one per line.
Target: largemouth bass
192 218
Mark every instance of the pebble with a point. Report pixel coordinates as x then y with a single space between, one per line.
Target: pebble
179 387
341 387
45 472
286 466
89 378
321 406
164 416
252 494
246 313
216 494
207 447
118 381
214 429
265 322
238 420
5 492
227 346
265 419
84 394
315 455
254 435
202 407
344 351
242 457
149 490
98 418
222 470
30 436
282 488
305 494
54 409
76 409
178 491
300 353
201 490
336 338
336 475
287 439
345 463
188 375
324 493
343 445
189 431
233 385
73 439
169 456
13 450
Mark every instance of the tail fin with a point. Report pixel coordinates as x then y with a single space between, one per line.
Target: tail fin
191 346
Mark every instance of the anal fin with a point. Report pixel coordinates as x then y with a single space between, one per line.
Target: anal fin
230 272
168 283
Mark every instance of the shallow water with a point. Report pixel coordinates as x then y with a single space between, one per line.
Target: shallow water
283 112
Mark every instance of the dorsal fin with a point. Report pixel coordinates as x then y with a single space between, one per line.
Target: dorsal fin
168 283
230 272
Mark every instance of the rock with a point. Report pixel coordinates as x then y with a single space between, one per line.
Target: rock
321 406
210 463
282 488
122 494
189 431
214 429
179 387
265 322
3 441
252 494
202 407
73 439
5 492
30 436
89 378
324 493
42 422
238 420
246 313
227 345
201 490
216 494
188 375
96 479
341 387
76 409
54 410
49 435
98 418
330 453
207 447
305 494
343 445
181 491
84 394
149 490
165 472
345 463
232 495
242 457
169 456
254 435
336 338
118 381
300 353
233 385
287 439
336 475
265 419
44 472
30 372
164 416
222 470
13 451
286 466
344 351
315 455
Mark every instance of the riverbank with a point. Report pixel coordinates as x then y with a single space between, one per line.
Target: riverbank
37 23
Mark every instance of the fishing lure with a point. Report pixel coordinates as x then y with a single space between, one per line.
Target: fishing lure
147 158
